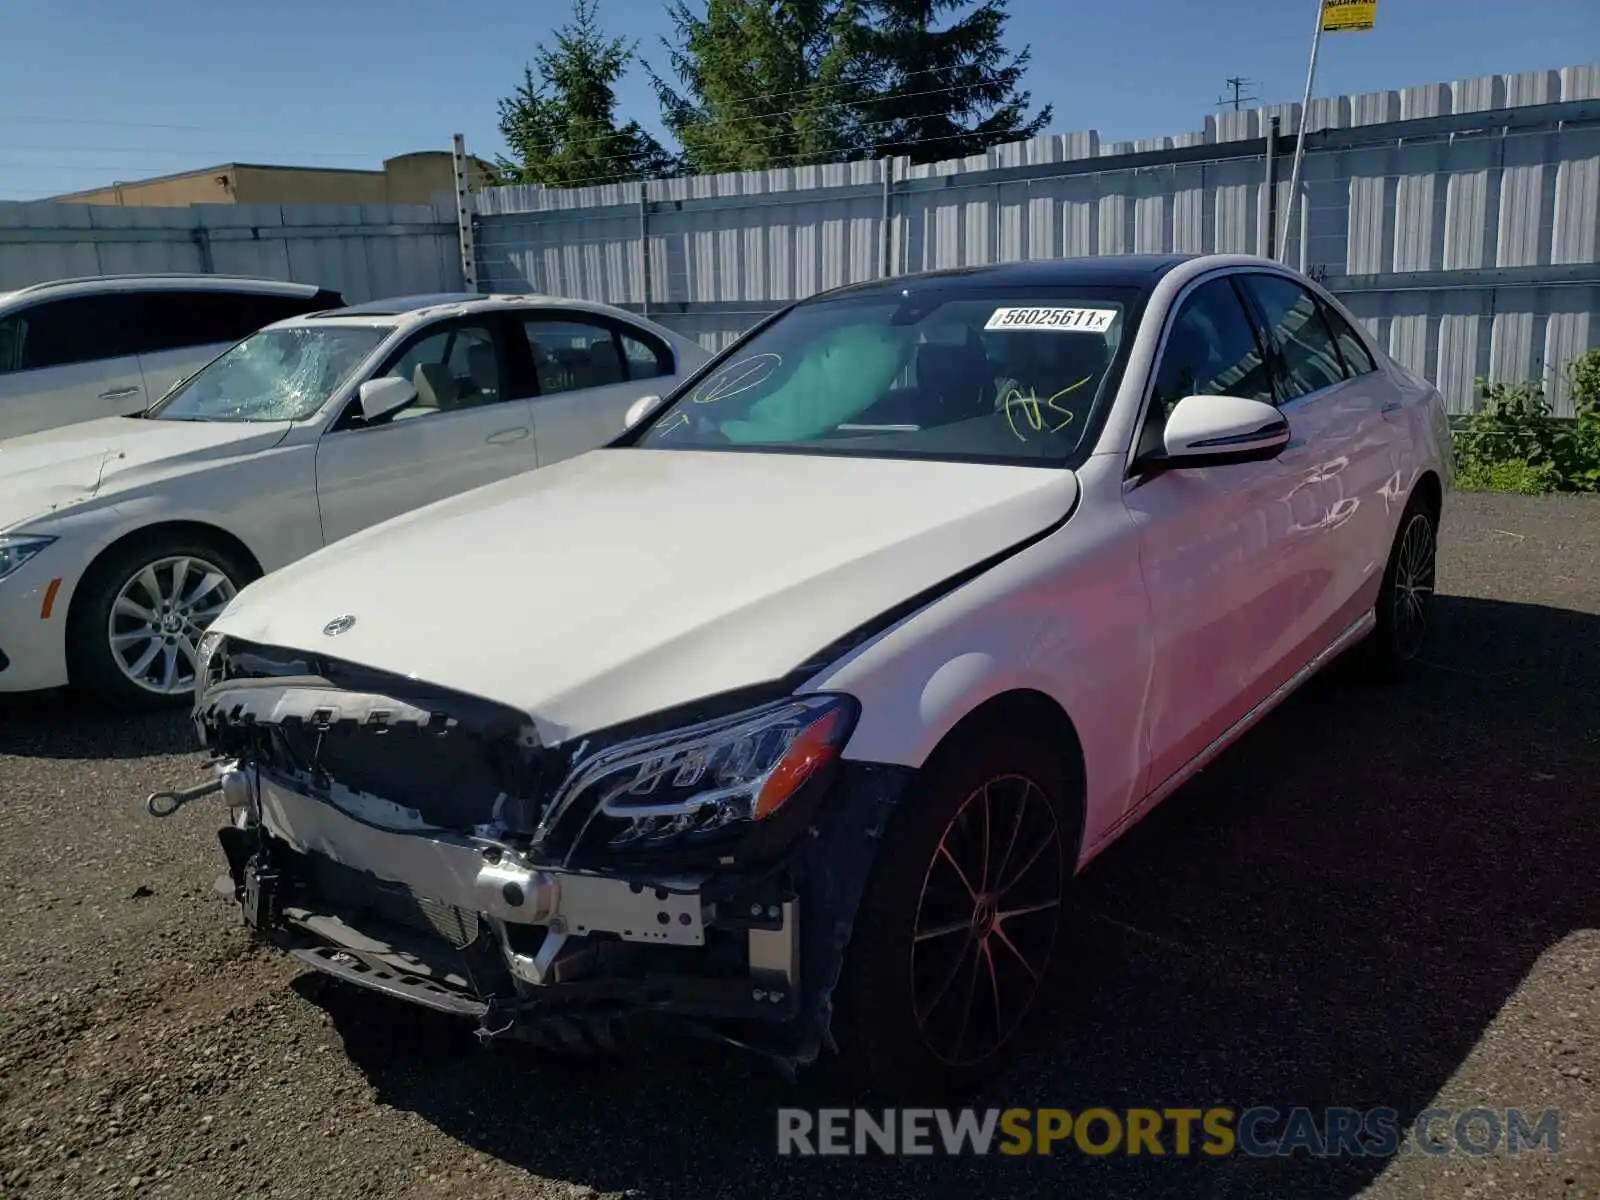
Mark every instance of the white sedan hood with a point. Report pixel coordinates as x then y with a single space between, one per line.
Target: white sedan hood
626 581
46 471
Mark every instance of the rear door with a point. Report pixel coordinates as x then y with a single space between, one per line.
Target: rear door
588 370
470 425
69 360
1340 455
181 331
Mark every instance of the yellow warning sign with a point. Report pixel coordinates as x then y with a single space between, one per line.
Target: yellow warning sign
1349 16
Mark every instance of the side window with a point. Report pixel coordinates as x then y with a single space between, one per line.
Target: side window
63 332
1357 358
1310 361
569 354
454 367
13 333
646 359
173 320
1211 350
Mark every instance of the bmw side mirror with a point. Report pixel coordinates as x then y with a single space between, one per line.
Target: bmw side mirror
380 397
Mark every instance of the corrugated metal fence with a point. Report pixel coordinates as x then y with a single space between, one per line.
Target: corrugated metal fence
363 250
1460 222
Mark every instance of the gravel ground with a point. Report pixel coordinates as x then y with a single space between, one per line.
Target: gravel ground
1381 897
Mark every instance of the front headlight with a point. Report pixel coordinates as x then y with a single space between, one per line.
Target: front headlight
16 549
700 783
204 653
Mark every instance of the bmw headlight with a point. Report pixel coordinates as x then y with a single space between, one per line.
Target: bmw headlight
210 642
704 782
16 549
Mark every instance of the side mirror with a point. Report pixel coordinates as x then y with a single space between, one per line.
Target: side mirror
639 410
380 397
1214 431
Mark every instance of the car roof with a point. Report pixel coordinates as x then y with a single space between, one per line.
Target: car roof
408 311
160 281
1104 270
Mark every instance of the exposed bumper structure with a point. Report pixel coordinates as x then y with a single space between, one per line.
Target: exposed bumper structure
477 921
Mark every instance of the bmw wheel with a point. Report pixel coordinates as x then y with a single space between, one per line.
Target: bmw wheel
134 631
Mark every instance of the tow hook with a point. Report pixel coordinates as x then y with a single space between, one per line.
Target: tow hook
230 781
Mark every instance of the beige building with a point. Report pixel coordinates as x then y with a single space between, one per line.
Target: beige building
405 179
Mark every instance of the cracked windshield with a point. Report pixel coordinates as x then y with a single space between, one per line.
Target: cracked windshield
274 375
992 378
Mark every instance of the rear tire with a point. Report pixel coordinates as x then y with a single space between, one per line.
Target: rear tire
1404 609
961 925
135 625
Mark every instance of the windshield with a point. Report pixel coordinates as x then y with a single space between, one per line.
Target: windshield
274 375
965 375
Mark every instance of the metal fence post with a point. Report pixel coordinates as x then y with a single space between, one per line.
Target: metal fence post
885 249
464 231
644 239
1273 127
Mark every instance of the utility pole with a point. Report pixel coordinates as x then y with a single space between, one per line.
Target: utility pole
1237 85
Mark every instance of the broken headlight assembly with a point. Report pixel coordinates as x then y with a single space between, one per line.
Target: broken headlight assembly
701 785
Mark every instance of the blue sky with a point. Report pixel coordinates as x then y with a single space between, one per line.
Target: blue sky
97 91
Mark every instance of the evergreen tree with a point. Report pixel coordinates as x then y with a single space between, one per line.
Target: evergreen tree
560 125
765 83
944 93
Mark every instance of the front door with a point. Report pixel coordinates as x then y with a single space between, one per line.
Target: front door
1216 543
467 428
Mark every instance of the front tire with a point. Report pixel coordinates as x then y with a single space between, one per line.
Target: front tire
134 630
962 920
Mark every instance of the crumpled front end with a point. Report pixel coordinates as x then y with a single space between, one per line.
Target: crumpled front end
423 843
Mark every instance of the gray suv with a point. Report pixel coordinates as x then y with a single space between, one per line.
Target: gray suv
76 349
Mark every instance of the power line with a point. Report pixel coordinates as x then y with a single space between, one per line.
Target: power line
1237 85
555 145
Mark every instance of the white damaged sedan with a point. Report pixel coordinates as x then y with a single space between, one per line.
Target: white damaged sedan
121 538
790 715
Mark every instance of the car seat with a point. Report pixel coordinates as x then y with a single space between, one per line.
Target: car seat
436 387
484 370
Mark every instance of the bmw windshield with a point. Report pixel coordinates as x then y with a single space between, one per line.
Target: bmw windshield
1013 376
275 375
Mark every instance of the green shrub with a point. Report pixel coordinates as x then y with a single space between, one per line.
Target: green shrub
1513 444
1510 475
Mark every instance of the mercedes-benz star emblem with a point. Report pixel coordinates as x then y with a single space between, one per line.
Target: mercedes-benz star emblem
338 625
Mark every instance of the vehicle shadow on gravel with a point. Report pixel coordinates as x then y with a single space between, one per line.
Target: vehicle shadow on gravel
1331 915
61 725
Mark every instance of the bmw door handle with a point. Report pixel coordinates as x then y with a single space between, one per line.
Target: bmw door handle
121 393
508 435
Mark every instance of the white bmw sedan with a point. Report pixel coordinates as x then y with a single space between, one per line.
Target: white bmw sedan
792 713
120 539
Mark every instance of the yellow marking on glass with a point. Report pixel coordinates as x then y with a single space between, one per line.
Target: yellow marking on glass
1030 405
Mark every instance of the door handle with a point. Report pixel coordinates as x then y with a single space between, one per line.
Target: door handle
507 435
120 393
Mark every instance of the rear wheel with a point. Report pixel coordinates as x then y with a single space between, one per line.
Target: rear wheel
134 634
959 929
1405 600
